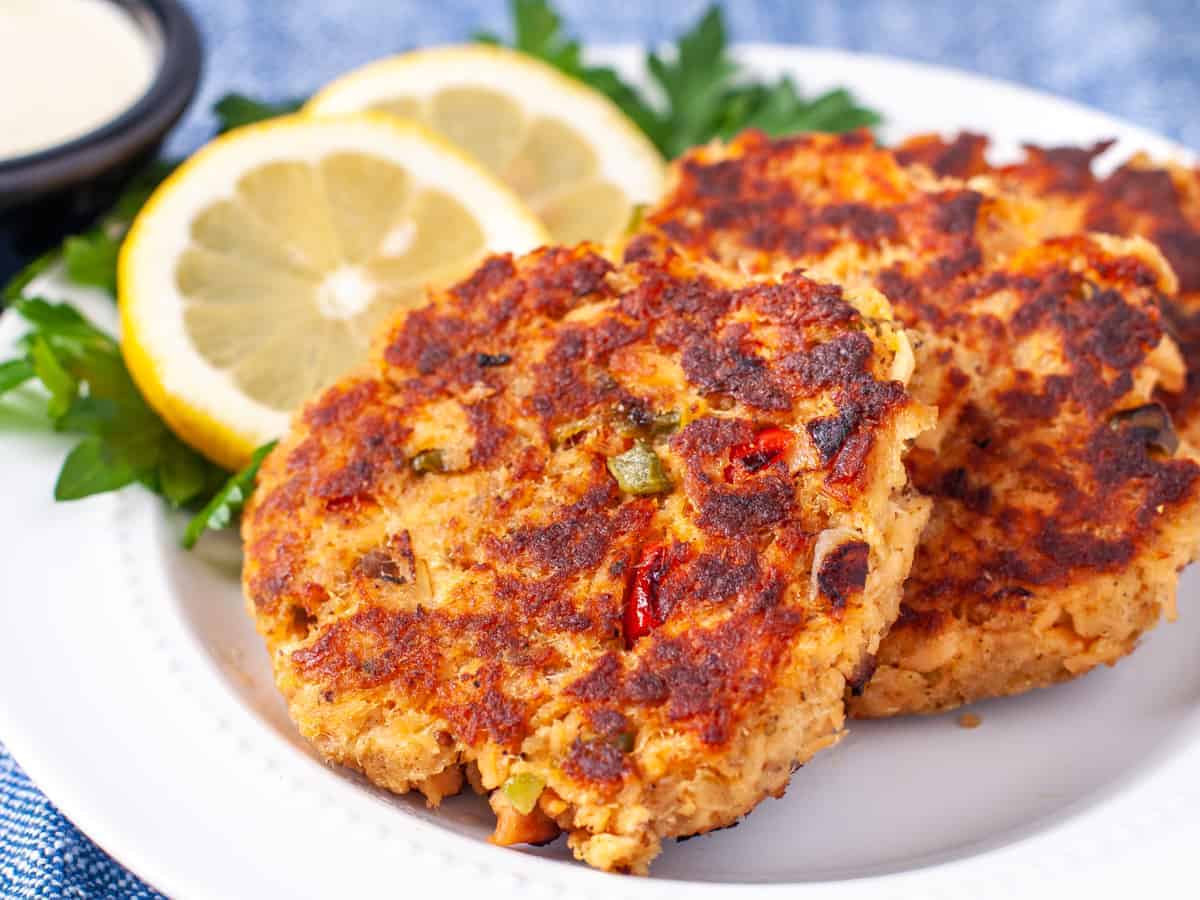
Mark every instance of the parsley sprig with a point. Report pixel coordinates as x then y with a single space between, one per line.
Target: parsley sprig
71 374
706 93
235 110
87 391
90 259
226 504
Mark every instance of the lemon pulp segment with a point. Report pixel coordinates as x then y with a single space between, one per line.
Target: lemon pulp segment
284 282
546 162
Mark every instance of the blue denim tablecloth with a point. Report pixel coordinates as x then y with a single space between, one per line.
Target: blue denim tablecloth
1137 60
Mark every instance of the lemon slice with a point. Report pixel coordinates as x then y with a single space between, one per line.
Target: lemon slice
566 150
257 272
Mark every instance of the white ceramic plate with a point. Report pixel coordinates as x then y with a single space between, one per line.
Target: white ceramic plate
135 693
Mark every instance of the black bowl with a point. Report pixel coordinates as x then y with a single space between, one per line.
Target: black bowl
47 195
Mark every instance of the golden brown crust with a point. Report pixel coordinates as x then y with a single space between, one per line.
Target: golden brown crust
1138 199
447 571
1059 520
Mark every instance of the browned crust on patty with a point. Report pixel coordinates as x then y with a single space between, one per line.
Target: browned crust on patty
1159 202
1057 528
477 612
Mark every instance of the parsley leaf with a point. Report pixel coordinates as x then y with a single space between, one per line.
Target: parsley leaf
235 110
538 31
91 259
781 110
139 189
89 392
695 83
56 379
14 373
61 322
227 503
93 467
183 474
707 97
16 287
88 415
641 113
705 92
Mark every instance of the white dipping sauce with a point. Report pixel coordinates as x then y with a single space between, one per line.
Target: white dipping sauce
66 68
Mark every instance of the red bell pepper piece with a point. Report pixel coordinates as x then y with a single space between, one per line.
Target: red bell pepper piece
642 613
768 445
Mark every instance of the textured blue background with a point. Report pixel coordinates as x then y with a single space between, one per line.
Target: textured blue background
1137 60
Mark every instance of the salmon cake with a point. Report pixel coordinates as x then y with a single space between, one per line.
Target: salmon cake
608 542
1065 503
1138 199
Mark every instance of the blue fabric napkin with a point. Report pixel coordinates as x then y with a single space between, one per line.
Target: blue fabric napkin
1134 58
44 855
